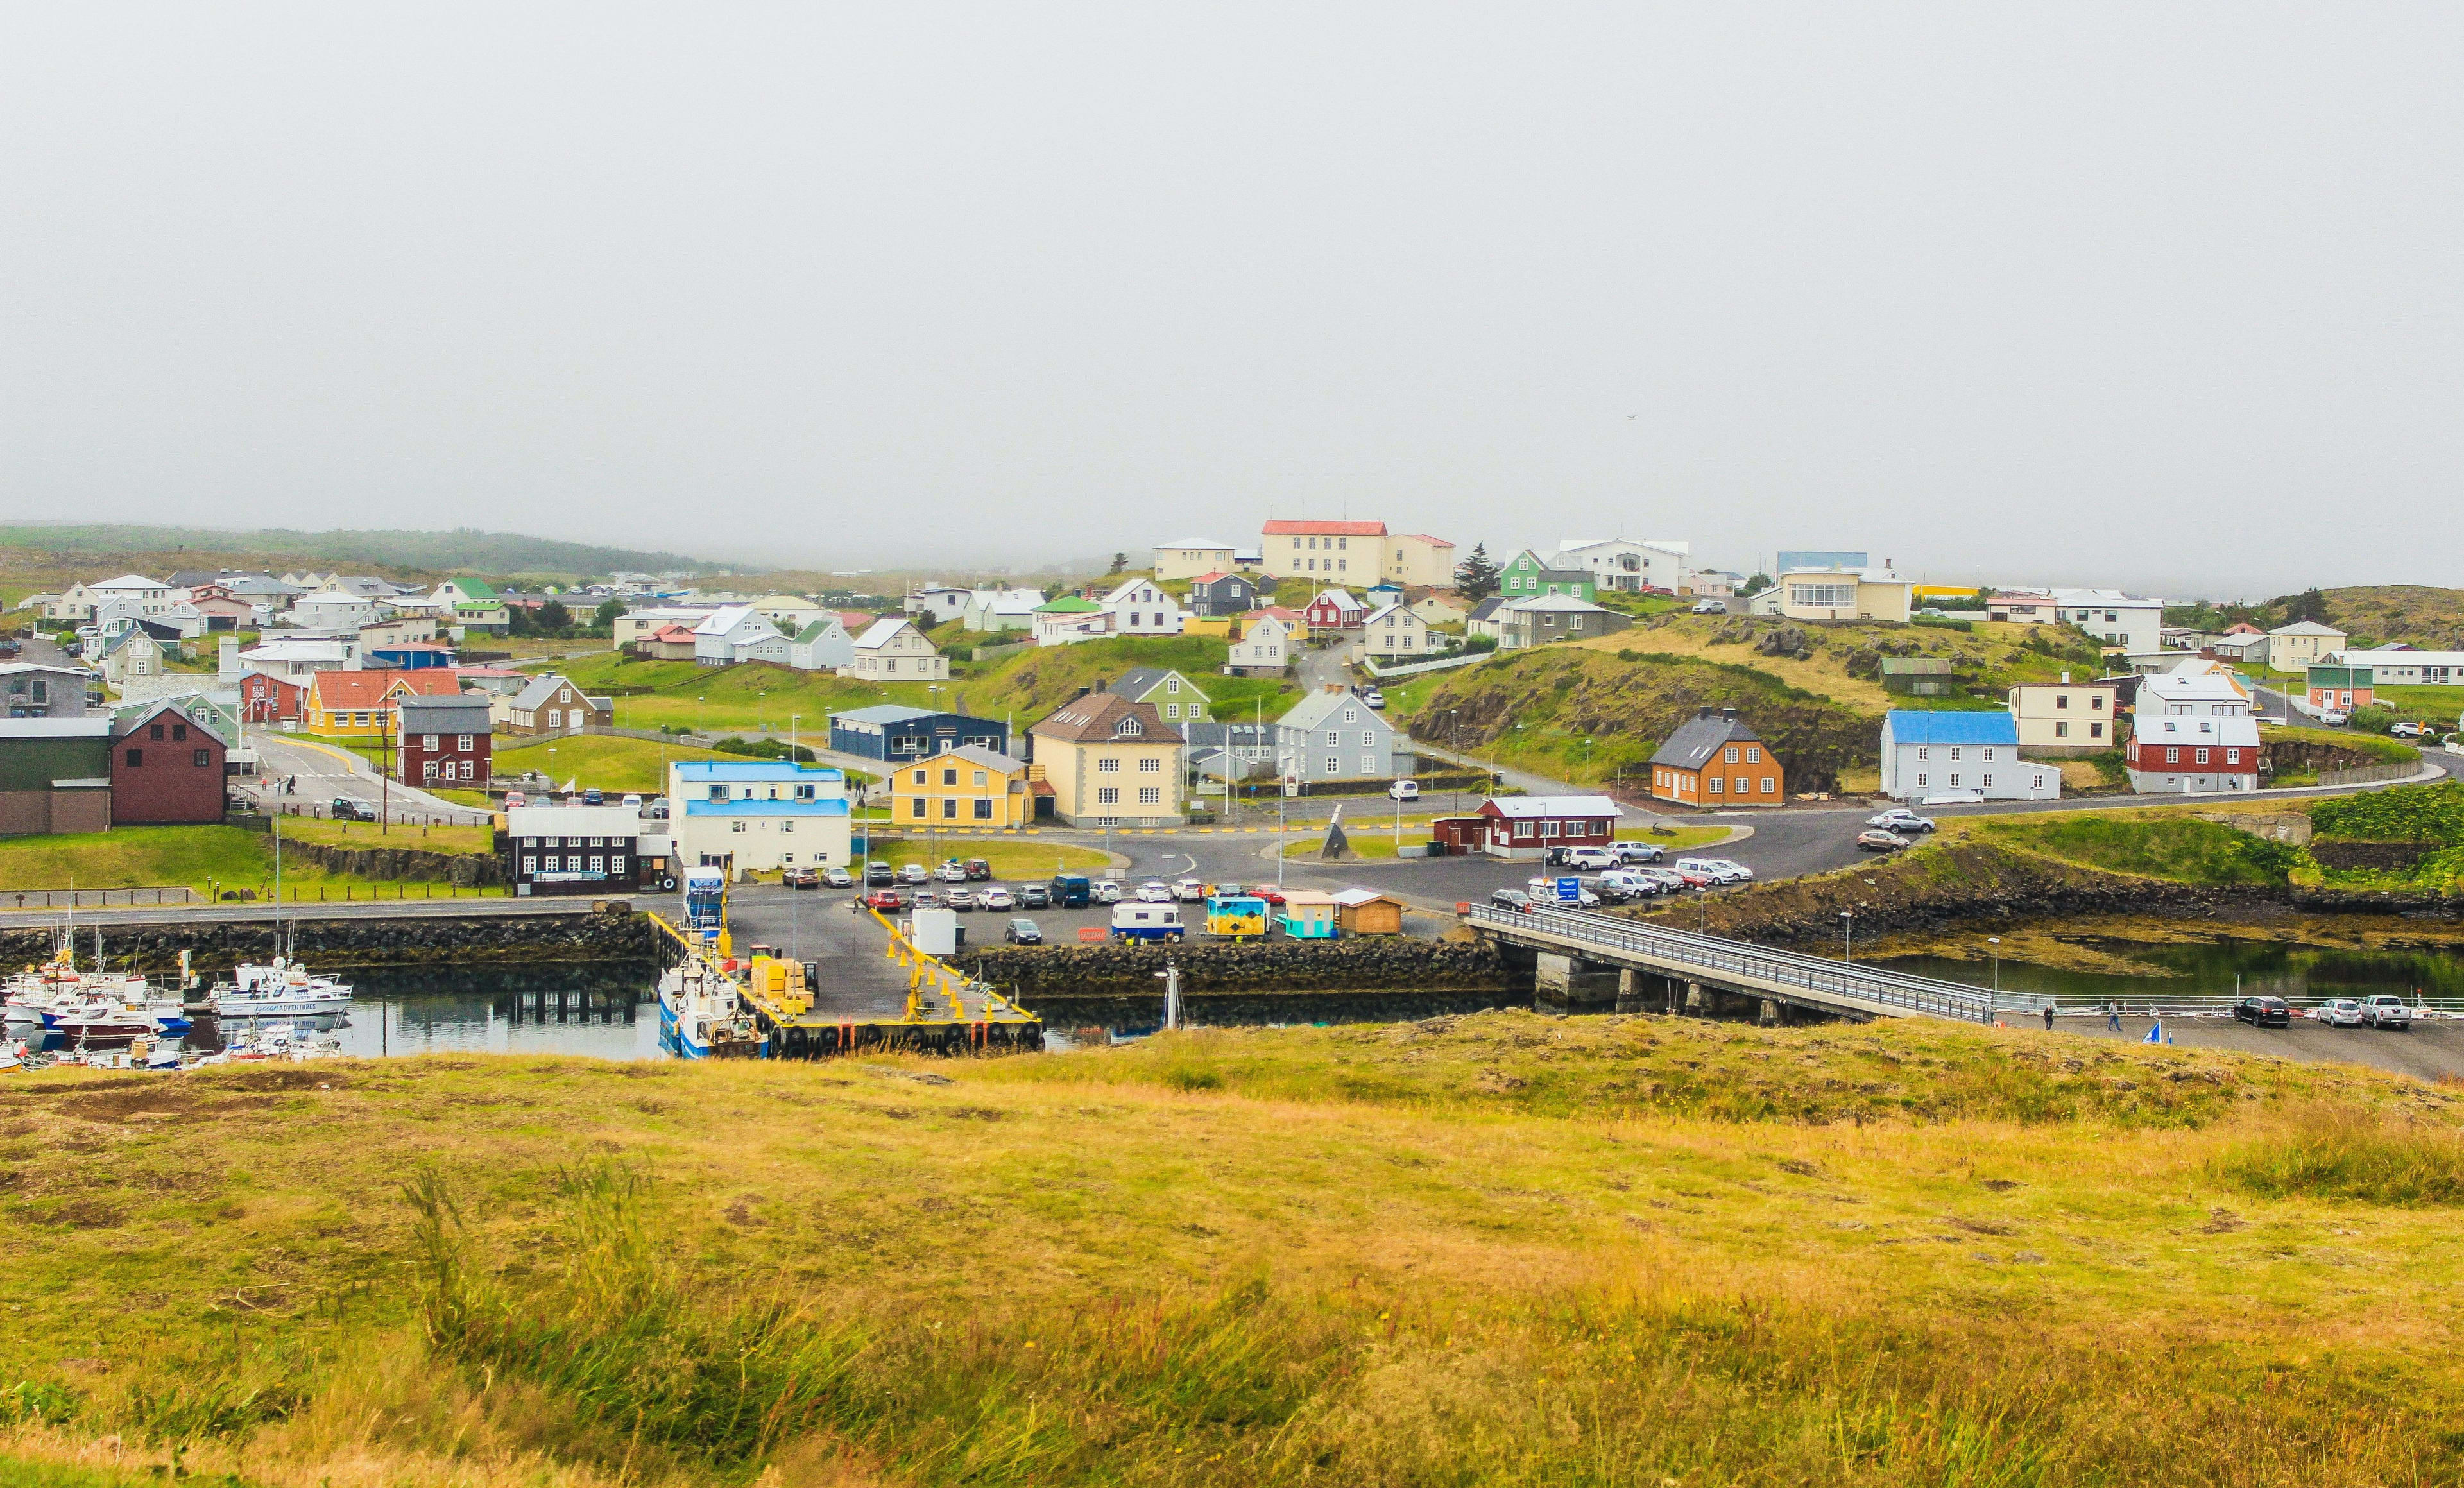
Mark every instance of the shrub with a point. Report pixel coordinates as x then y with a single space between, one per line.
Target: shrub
2371 719
2400 814
762 749
1939 624
2348 1153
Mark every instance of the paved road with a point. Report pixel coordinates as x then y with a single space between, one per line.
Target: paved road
323 772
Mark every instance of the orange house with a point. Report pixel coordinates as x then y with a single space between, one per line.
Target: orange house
1715 760
359 705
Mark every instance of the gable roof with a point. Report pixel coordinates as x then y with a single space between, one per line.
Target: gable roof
1340 599
357 689
190 709
1295 529
1485 609
2305 628
1139 681
475 588
815 630
878 633
1517 808
973 754
1068 604
1104 716
127 582
537 693
1915 726
1387 608
1311 710
442 714
1563 604
1699 738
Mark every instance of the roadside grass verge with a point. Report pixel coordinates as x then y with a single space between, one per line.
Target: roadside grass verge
228 857
1495 1249
605 760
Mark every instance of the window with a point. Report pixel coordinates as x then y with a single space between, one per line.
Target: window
2062 730
983 808
1921 779
1954 779
1753 755
919 807
427 770
1351 715
1172 710
949 808
1770 785
1717 782
155 734
1989 783
2203 758
1731 756
1150 767
1108 766
1172 685
1334 766
1922 753
736 826
2172 757
2096 729
2095 700
530 864
136 758
462 741
1109 795
598 864
1954 754
786 826
1150 795
1367 764
1332 737
2061 700
1837 596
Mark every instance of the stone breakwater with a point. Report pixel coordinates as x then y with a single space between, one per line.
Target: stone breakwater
614 934
1951 890
1385 965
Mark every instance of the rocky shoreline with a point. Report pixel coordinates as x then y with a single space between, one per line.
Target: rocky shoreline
1390 965
613 934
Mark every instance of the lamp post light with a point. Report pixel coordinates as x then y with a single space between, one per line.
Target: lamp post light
1847 935
1995 941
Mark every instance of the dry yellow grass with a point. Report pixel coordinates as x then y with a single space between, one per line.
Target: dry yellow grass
1500 1249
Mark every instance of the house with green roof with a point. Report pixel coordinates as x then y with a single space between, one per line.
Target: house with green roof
823 645
1072 619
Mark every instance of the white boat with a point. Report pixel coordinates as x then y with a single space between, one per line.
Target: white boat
98 1019
291 1046
94 1004
283 989
700 1015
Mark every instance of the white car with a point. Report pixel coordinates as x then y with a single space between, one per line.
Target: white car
1189 890
2332 718
1710 607
2338 1013
1743 874
1373 699
2407 731
1631 853
2387 1010
1155 890
1405 790
998 898
951 873
1718 870
1593 859
1104 891
838 878
1900 818
913 873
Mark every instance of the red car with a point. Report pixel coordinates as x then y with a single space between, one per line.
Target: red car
1268 892
884 900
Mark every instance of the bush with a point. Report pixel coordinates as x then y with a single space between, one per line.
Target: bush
2400 814
1939 624
2371 719
2348 1153
762 749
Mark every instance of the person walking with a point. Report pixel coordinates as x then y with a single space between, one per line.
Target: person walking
2049 1018
2113 1018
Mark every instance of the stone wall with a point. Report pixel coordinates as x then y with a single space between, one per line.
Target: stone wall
1382 964
614 934
416 865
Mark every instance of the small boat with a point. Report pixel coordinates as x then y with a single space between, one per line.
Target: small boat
264 1044
701 1017
98 1020
144 1052
283 989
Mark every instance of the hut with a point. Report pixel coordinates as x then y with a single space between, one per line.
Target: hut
1365 912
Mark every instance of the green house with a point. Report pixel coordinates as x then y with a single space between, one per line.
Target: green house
1528 577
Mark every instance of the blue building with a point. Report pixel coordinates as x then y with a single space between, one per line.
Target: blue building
756 816
892 731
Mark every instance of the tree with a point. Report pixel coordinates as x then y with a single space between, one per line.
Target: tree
554 616
1120 563
1476 576
2309 605
605 616
1757 585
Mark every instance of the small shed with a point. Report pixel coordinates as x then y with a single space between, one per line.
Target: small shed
1365 912
1455 836
1309 916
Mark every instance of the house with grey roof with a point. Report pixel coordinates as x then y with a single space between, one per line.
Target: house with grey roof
1523 623
1333 735
554 705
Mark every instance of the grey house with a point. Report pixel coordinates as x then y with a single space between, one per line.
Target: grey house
1333 735
30 689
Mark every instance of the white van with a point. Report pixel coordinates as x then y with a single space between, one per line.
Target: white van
1144 920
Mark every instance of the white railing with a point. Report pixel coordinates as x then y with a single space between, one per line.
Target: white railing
1844 980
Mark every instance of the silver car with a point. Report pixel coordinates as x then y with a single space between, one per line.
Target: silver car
2338 1013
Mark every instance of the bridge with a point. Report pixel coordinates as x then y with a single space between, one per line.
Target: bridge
1582 952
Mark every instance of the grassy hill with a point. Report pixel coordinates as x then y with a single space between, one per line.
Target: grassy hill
2429 616
1497 1249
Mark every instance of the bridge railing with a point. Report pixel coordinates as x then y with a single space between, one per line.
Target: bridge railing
1881 987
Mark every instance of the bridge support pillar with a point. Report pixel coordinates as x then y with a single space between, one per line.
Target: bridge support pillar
1694 1002
1768 1016
1570 984
1629 994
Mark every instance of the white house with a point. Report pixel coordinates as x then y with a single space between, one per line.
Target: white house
1192 557
1393 631
892 647
1625 564
179 614
1836 593
449 593
2405 667
2194 732
1139 608
1950 757
332 609
936 605
1069 620
823 645
1263 649
1001 609
756 816
2111 616
297 658
128 654
724 635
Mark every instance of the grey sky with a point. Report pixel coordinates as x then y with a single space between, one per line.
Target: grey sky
2160 296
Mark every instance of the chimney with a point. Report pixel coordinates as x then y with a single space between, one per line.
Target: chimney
1334 686
1704 712
1729 713
1082 692
2066 679
1101 683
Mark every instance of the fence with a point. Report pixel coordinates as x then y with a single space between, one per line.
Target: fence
2365 774
324 811
180 894
1412 668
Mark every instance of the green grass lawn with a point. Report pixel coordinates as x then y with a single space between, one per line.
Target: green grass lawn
366 834
2376 745
2442 707
2164 842
169 856
610 763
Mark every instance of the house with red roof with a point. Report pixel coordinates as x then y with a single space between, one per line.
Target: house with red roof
1336 609
1417 561
667 644
1342 552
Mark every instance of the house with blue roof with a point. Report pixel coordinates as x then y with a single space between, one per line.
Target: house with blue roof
757 816
1935 757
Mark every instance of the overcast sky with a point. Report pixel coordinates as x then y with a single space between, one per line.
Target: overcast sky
2158 295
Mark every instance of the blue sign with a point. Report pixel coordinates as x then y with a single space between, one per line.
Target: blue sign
1570 890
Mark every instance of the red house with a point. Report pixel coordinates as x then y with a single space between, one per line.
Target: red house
443 740
1335 609
264 698
166 769
1527 826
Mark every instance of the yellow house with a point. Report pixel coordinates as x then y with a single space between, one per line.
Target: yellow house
1109 761
1220 626
359 705
969 787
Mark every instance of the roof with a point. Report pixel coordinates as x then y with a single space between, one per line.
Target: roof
1522 808
1296 529
1421 536
1282 612
1311 710
1138 681
459 713
1560 603
748 771
128 582
1387 608
673 635
879 633
1341 599
330 595
1068 604
814 630
1355 898
883 714
97 727
1105 718
1916 726
475 588
536 694
973 754
1699 738
1199 542
1916 667
1485 609
1217 576
2305 628
339 689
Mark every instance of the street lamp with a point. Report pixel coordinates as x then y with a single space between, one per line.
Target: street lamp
1847 934
1997 954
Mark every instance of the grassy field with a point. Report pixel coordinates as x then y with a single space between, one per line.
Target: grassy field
366 834
195 856
2167 843
1500 1249
2424 704
602 760
1011 858
2385 750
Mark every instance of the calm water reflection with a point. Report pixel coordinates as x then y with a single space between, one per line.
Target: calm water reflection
2300 975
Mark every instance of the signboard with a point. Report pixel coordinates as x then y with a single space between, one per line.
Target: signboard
1570 890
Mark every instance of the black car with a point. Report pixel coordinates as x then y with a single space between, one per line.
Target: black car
1513 899
2264 1012
1024 932
877 874
345 809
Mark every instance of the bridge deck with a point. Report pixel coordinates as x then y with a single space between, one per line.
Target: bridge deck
1736 965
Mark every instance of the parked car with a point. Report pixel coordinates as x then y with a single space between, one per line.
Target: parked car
1593 858
1024 933
1106 890
885 900
952 872
979 868
1034 896
2338 1013
516 798
1513 899
1670 879
913 873
2407 731
2332 718
1900 818
1880 841
1155 890
1743 874
1269 894
800 877
1634 883
925 899
998 898
591 795
878 874
1710 607
1716 870
1373 699
1610 888
1544 890
2261 1012
839 878
345 809
1189 890
2387 1010
1405 790
962 900
1228 892
1632 853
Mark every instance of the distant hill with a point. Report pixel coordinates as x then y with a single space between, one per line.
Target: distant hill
2431 618
463 549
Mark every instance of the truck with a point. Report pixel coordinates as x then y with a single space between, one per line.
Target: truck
705 902
1139 920
1069 890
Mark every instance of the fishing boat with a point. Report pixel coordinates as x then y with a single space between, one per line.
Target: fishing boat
700 1015
111 1003
101 1020
283 988
275 1044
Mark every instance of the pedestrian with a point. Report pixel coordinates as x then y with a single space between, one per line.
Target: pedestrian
2113 1018
2049 1018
